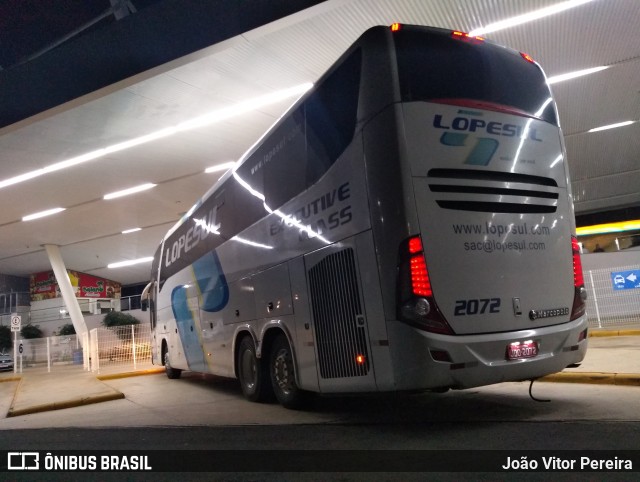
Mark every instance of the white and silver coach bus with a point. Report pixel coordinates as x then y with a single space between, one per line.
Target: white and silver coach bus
407 225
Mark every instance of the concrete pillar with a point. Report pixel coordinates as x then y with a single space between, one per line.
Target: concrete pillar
68 293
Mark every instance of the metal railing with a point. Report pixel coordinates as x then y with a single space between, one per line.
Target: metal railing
126 347
608 305
114 349
50 352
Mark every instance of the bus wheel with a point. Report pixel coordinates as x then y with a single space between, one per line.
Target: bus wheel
253 374
283 377
171 372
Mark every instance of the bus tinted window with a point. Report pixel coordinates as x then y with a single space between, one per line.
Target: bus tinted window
331 114
282 160
434 66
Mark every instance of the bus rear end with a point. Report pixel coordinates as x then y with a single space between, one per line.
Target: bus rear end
489 283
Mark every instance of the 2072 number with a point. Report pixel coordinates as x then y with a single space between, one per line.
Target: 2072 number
477 307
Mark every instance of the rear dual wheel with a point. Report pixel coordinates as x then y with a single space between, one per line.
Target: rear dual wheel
253 373
261 379
283 379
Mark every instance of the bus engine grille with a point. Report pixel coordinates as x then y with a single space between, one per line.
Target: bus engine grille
493 191
337 313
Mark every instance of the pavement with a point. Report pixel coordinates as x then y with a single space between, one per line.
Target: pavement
613 358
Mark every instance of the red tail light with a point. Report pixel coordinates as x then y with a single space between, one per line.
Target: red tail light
416 304
420 283
580 293
578 277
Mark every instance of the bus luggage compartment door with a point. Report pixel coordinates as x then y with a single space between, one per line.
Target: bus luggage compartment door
338 320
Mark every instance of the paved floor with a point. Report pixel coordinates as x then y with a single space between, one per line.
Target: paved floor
612 360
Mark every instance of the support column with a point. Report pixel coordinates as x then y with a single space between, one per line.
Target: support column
68 294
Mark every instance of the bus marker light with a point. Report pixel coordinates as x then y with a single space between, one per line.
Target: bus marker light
527 57
395 27
466 37
360 359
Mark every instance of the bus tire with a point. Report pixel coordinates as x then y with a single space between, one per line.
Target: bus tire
172 373
283 377
252 373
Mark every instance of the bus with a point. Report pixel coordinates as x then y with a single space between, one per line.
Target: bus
407 225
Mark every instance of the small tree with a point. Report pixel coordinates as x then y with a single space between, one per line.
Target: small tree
31 331
117 318
66 330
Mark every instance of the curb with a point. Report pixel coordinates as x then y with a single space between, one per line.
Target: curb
80 401
77 402
604 332
595 378
115 376
10 379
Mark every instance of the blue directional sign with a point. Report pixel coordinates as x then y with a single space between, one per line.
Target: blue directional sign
626 280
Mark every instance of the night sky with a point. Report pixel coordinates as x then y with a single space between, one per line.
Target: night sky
27 26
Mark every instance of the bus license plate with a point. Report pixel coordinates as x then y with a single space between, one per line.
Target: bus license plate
520 350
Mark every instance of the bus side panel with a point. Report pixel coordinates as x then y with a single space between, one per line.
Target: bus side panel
339 323
374 311
307 372
167 325
393 213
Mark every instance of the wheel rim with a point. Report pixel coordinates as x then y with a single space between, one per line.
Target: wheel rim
249 370
282 371
167 365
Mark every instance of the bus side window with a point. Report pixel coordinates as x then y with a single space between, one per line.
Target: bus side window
283 161
331 116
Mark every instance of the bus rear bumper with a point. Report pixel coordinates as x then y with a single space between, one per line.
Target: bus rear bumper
476 360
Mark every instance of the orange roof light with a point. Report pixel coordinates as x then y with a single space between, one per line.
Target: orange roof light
395 27
466 37
527 57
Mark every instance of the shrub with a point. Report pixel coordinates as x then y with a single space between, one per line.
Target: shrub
117 318
31 331
66 330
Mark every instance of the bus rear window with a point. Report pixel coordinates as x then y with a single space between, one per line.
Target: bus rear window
432 66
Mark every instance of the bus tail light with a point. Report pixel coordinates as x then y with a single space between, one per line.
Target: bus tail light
580 294
416 304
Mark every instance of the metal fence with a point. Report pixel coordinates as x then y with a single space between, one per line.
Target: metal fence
606 305
125 347
50 352
115 349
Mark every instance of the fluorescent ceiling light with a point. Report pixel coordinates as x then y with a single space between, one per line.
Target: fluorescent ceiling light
131 190
611 126
528 17
609 228
132 230
131 262
210 118
42 214
572 75
220 167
